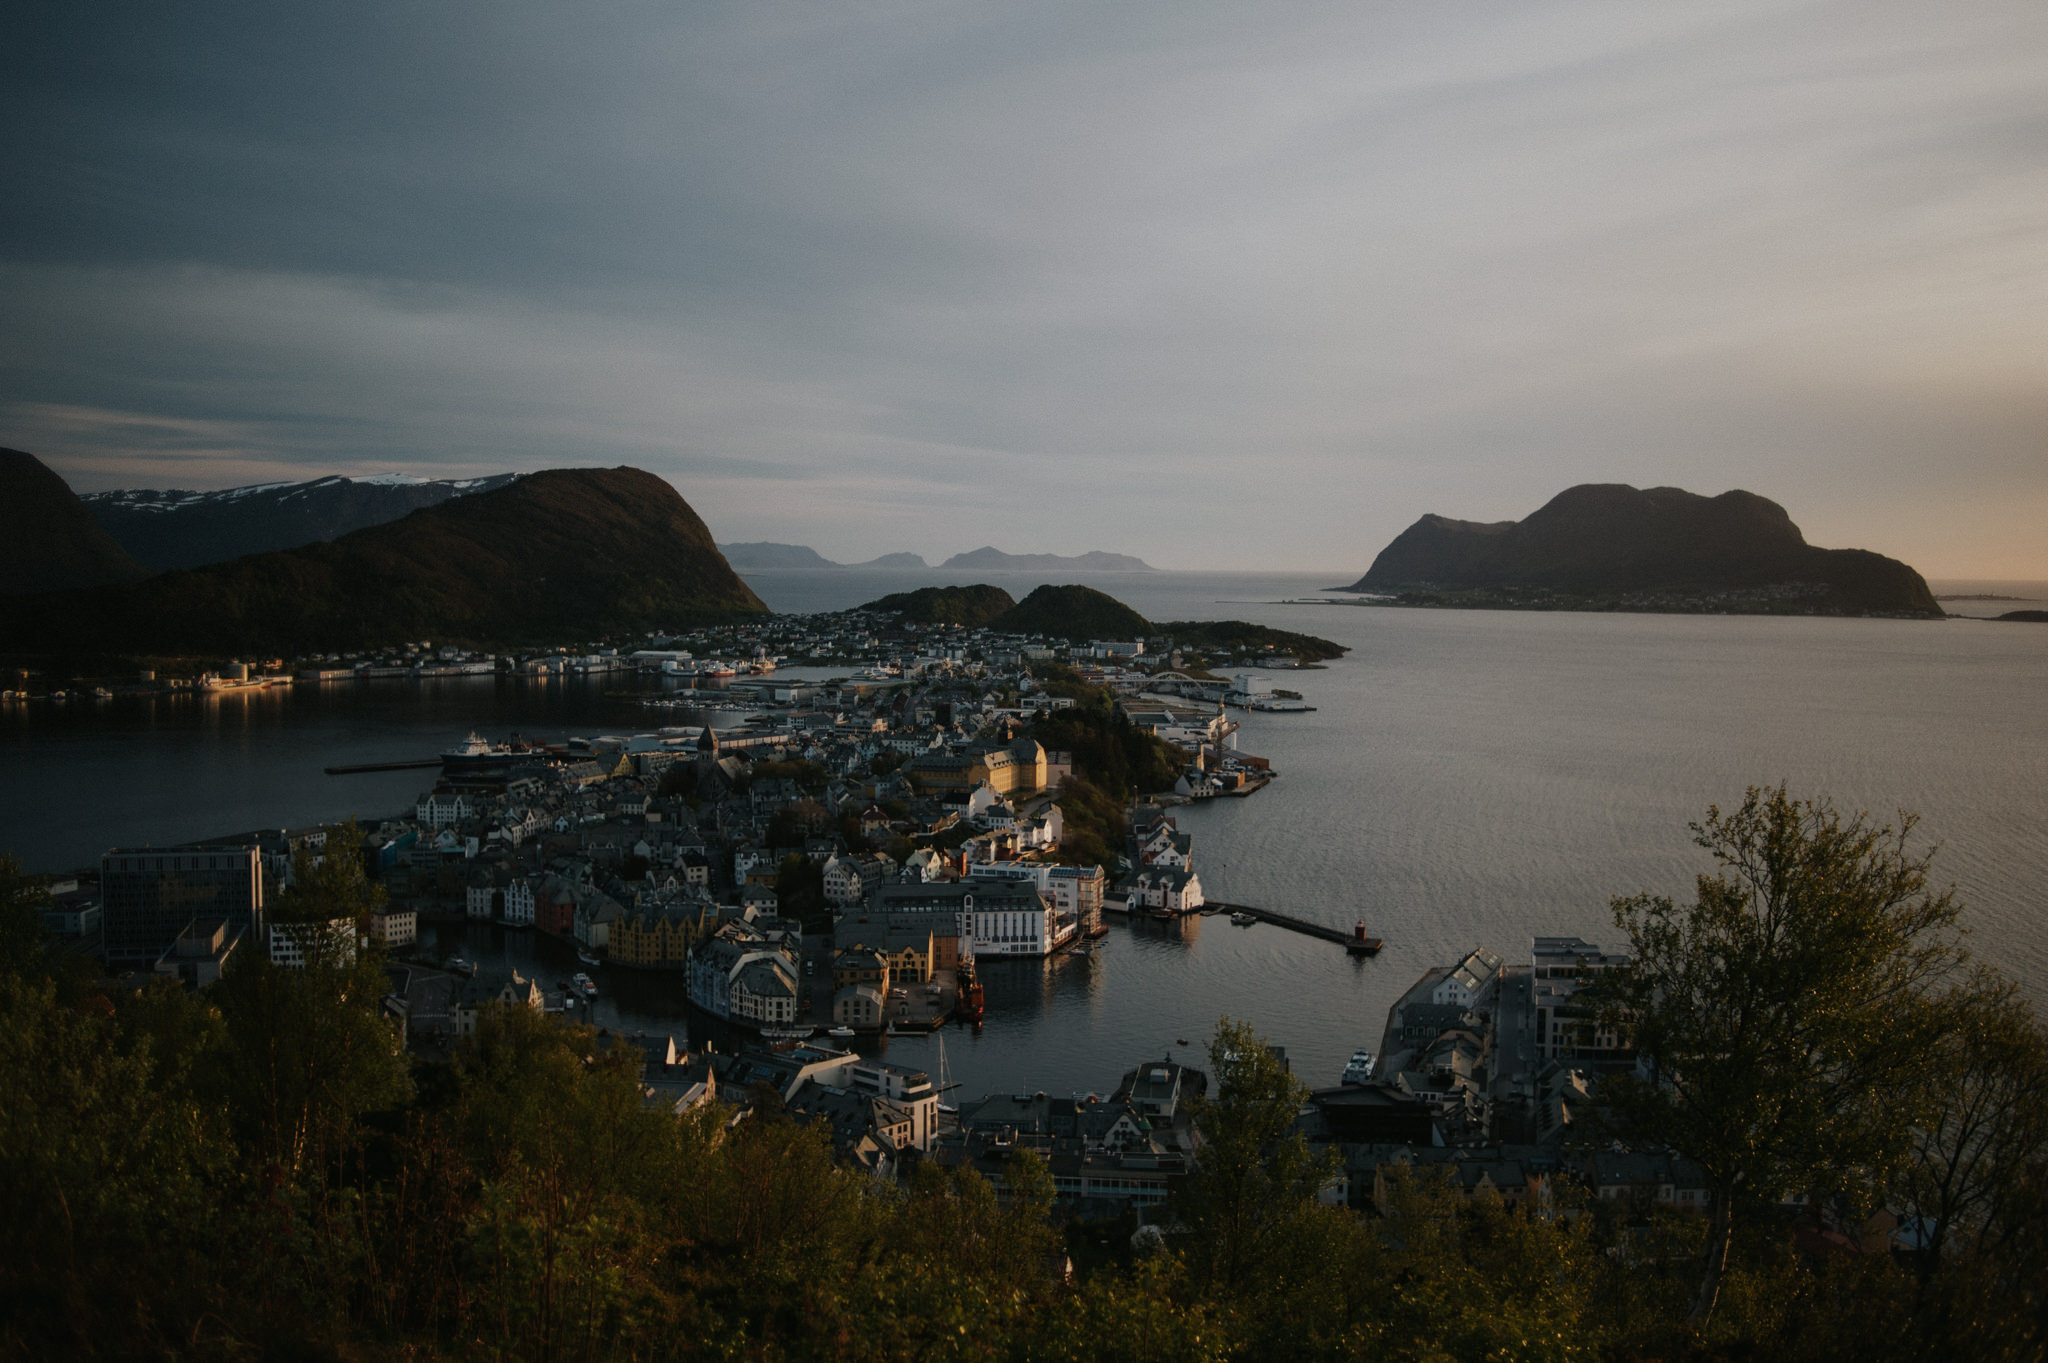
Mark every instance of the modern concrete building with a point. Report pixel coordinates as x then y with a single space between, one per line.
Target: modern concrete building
149 894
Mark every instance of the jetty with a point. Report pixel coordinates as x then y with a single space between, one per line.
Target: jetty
1355 941
361 767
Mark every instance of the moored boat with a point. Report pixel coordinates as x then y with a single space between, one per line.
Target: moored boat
474 754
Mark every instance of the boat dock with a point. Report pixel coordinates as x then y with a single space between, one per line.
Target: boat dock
362 767
1357 943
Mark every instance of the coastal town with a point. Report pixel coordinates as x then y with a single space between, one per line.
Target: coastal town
834 868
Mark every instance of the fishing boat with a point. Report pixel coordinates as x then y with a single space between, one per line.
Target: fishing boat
968 1006
584 985
1243 920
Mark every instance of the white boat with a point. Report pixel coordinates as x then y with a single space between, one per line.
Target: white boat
1360 1069
843 1033
1243 920
584 985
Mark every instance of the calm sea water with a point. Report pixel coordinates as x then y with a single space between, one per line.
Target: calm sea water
1468 778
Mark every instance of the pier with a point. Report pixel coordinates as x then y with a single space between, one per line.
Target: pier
362 767
1357 945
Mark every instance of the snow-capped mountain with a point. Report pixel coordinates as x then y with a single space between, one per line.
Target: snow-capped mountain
179 528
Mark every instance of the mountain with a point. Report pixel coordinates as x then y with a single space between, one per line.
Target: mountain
557 556
976 605
1608 545
48 540
767 556
181 529
1072 612
986 560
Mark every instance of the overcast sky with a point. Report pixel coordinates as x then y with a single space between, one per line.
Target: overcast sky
1237 286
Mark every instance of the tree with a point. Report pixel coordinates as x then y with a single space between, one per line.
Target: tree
1787 1012
1252 1173
309 1048
1984 1128
22 936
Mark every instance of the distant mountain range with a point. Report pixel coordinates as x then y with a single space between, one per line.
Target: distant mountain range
1614 547
767 556
987 560
562 555
181 529
48 540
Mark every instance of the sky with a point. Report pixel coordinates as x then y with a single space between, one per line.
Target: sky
1231 286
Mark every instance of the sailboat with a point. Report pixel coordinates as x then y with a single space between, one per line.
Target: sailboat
946 1083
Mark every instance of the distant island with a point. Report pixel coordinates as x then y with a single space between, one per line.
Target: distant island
566 553
1608 546
1076 613
757 556
989 560
2028 617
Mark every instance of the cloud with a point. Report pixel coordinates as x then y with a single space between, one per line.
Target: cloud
1147 276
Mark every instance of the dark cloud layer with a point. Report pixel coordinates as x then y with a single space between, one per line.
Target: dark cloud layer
1217 284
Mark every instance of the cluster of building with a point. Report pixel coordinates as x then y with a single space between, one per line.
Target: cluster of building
1487 1070
904 812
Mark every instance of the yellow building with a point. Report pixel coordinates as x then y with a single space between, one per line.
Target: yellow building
659 939
1016 769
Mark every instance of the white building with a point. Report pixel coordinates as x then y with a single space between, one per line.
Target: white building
440 808
998 924
395 927
743 976
1470 980
333 942
1171 888
519 902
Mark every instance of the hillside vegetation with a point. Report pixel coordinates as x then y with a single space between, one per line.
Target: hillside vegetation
256 1171
564 554
1074 612
1241 639
973 606
48 539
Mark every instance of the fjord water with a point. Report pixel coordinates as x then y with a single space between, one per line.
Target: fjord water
1468 778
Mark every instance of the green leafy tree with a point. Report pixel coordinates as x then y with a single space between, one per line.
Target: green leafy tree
21 925
1789 1011
309 1048
1984 1126
1253 1172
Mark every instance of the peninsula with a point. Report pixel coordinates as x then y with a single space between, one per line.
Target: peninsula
575 551
1608 546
